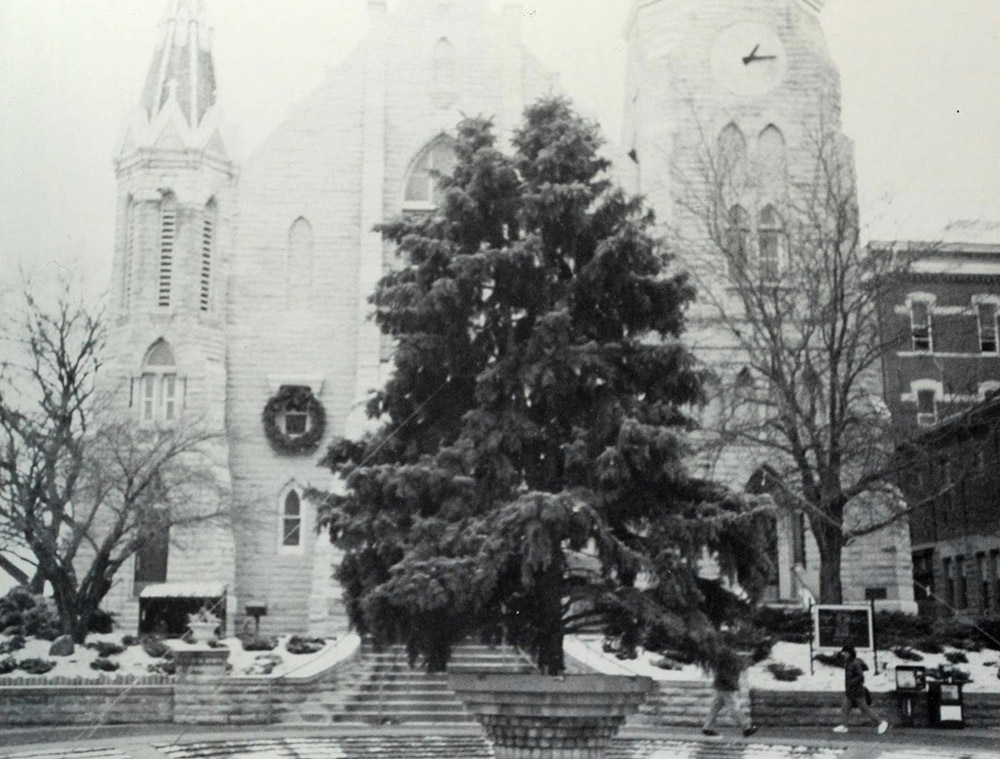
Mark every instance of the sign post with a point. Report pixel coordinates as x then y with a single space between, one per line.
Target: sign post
839 625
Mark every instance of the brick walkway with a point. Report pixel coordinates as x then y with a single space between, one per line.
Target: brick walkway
471 746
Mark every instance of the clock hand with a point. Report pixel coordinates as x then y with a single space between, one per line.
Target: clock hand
752 56
764 58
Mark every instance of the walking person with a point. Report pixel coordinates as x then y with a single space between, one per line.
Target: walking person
728 666
856 694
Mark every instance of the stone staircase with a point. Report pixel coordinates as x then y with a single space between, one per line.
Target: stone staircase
382 689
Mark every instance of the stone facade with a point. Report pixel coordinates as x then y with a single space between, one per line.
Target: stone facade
729 105
253 278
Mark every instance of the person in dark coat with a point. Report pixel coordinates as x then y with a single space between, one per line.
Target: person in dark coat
855 693
728 666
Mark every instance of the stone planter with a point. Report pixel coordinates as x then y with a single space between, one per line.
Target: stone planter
534 716
202 632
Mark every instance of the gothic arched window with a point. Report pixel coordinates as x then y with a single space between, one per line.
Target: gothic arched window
299 263
158 386
290 520
422 190
168 237
771 159
732 150
444 66
737 241
771 242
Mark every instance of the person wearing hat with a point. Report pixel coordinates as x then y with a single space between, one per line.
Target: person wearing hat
855 693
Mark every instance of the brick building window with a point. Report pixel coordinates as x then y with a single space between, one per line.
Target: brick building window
987 314
995 578
983 565
920 325
923 575
961 584
926 408
949 583
158 385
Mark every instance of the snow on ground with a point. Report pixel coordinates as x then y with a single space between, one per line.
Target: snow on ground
983 666
588 650
135 661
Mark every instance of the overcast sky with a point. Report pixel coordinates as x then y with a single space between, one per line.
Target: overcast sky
921 91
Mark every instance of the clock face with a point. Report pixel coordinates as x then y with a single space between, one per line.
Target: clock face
748 59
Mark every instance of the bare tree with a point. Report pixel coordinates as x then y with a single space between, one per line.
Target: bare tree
796 297
82 488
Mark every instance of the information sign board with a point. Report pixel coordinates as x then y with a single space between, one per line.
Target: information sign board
836 626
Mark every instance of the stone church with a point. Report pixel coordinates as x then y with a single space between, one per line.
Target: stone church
240 291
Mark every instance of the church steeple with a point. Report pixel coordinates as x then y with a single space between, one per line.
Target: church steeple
177 107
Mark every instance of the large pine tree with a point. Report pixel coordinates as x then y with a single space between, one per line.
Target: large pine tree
529 476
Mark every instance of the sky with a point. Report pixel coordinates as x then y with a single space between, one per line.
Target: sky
920 97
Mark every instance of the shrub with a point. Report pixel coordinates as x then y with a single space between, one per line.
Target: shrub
956 657
790 625
164 667
130 640
989 632
105 665
105 648
667 663
928 645
751 638
7 665
155 648
894 628
35 666
957 634
784 672
263 664
907 654
101 622
23 613
260 643
16 643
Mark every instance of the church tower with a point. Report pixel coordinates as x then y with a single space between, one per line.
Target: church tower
175 210
729 106
708 81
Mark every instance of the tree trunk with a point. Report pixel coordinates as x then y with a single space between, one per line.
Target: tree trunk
14 571
829 541
548 593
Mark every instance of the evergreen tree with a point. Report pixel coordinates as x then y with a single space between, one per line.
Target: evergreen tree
529 476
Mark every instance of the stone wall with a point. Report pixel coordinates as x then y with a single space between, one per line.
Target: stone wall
86 704
820 709
682 704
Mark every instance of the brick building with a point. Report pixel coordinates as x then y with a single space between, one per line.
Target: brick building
941 377
243 288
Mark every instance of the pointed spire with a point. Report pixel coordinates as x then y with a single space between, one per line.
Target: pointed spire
177 107
182 66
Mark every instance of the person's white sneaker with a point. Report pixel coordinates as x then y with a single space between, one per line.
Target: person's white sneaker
882 727
840 729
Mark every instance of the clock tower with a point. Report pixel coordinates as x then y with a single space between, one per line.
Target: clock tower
748 81
729 106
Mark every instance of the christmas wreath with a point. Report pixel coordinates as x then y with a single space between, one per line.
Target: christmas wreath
294 399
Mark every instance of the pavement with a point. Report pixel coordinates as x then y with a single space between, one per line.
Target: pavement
432 741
